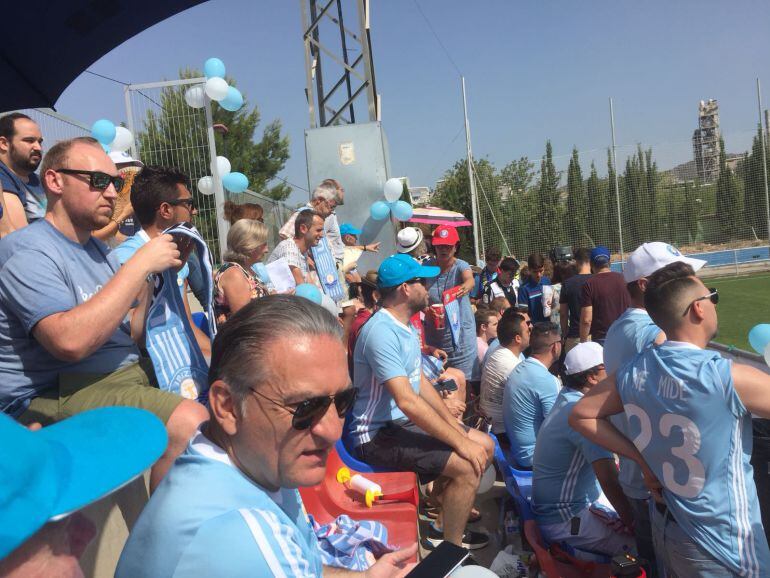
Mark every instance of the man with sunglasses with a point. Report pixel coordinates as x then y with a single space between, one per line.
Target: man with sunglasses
630 334
689 412
70 316
230 505
400 421
161 198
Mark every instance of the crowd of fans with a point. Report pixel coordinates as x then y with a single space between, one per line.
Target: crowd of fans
638 438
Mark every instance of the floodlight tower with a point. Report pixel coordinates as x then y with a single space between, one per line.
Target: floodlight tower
338 62
705 141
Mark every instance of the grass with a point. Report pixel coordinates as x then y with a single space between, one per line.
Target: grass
743 302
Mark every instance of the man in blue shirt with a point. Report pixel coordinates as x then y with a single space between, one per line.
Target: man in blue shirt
230 505
161 198
530 392
70 315
21 150
628 336
488 273
689 410
531 292
399 420
570 473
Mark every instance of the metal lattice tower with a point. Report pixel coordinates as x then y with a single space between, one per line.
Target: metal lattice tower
338 62
705 141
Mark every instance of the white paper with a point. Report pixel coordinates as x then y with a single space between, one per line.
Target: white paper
280 275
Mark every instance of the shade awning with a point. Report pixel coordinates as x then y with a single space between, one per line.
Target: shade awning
437 216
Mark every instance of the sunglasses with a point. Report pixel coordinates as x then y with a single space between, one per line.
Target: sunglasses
97 179
713 296
415 281
308 410
189 202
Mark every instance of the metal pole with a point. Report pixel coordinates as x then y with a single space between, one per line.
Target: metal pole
471 181
133 150
617 187
764 156
219 193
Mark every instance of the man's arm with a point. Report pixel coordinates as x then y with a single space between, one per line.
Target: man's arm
15 211
392 565
753 388
431 396
607 474
75 334
586 317
590 418
204 343
299 278
6 226
564 319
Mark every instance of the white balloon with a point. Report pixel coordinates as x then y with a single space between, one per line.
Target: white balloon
393 189
223 167
123 139
206 185
216 88
487 480
195 97
767 354
473 572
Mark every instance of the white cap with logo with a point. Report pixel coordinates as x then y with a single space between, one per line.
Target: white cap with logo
123 159
649 257
408 239
583 357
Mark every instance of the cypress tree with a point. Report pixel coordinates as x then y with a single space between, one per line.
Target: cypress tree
576 218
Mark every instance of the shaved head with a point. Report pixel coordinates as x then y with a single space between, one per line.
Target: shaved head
670 291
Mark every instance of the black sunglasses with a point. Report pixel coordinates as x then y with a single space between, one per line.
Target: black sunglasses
189 202
416 280
308 410
97 179
713 296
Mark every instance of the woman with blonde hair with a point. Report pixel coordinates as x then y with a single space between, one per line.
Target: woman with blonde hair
235 283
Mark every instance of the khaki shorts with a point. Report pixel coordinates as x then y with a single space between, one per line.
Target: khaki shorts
131 386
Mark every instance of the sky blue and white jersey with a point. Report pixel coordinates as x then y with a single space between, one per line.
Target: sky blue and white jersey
628 336
529 394
386 348
695 434
563 480
207 519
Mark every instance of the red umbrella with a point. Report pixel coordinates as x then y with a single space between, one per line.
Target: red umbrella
437 216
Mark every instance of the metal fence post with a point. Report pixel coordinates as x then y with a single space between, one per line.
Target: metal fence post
617 188
764 156
219 193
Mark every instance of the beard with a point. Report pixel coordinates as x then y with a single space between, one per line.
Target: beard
26 163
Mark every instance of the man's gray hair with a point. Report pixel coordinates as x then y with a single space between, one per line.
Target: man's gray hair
239 353
324 192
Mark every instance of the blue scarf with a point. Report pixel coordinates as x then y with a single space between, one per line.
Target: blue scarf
180 367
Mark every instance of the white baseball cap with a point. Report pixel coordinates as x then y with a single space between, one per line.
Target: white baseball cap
583 357
123 159
408 239
649 257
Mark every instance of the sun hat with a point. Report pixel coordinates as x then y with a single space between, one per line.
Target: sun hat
370 279
50 473
600 255
445 235
583 357
348 229
649 257
125 159
401 268
408 239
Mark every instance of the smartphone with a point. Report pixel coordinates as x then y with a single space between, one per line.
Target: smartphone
441 562
448 385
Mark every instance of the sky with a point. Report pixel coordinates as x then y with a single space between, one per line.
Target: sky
534 70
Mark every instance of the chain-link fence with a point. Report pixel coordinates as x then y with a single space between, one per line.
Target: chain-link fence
709 200
275 214
55 127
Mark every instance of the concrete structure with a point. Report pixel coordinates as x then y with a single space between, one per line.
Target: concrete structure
705 141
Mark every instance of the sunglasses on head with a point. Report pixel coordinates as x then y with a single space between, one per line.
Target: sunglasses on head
97 179
307 411
713 296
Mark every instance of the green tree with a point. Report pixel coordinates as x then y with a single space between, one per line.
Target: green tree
596 211
651 198
754 204
611 199
544 227
516 180
728 201
576 218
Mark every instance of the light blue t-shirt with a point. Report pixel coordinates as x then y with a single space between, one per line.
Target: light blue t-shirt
530 393
127 248
628 336
235 529
385 348
563 480
694 432
42 273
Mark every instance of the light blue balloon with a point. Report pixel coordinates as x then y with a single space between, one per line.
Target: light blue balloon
379 210
233 101
235 182
309 292
401 210
759 337
214 67
104 131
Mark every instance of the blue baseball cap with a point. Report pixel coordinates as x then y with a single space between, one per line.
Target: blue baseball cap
48 474
401 268
348 229
600 255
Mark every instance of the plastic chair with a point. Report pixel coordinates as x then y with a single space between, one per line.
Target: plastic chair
516 481
200 320
347 456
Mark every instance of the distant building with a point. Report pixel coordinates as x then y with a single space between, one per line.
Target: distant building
705 141
420 196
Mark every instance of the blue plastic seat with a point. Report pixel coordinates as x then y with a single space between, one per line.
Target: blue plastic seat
347 456
518 482
200 320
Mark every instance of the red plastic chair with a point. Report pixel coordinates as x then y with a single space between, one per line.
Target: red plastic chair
330 499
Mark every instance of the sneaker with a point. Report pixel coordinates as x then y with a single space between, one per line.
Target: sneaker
471 540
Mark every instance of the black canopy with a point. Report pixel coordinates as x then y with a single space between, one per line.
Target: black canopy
47 44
